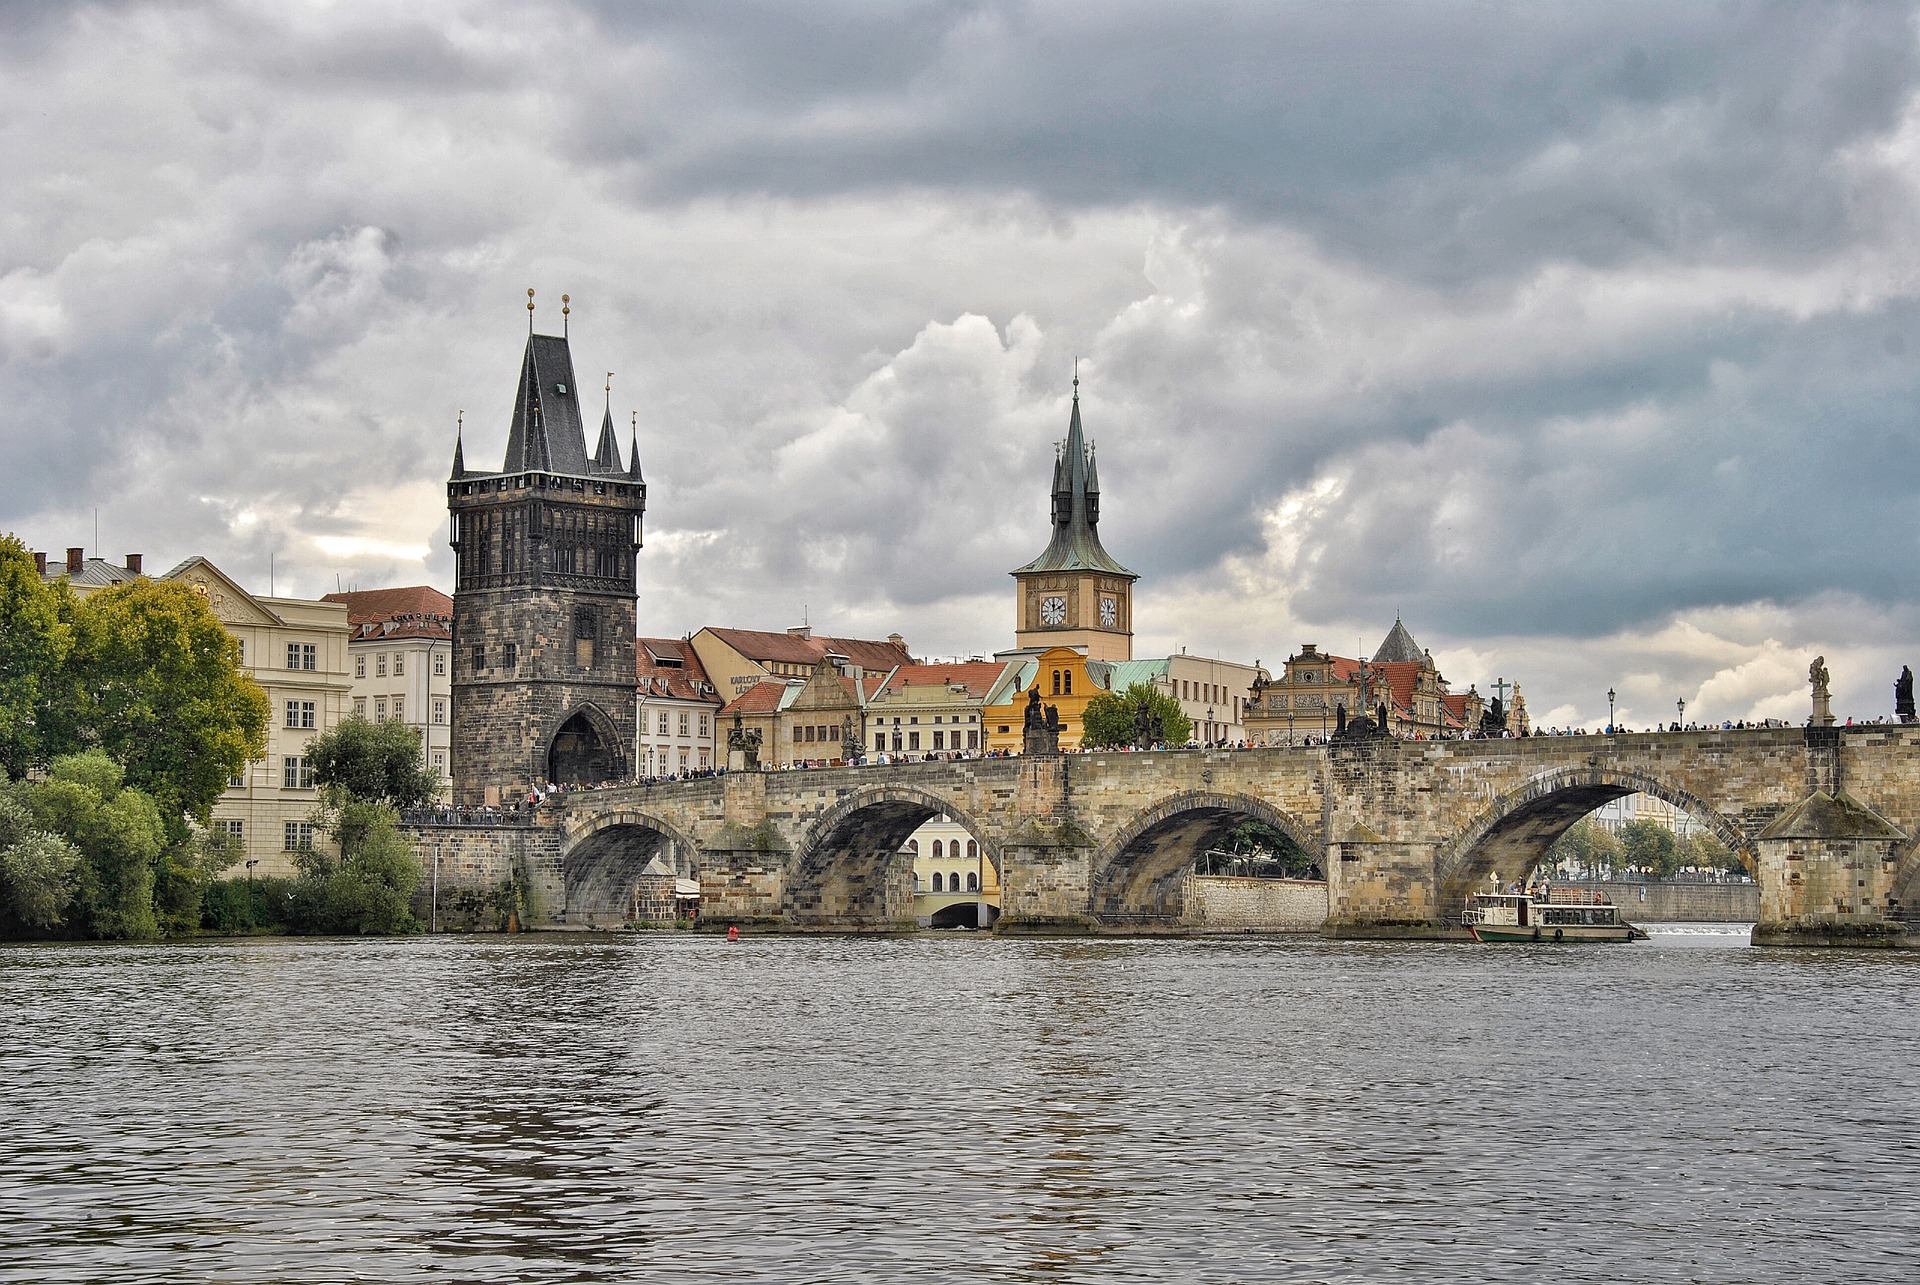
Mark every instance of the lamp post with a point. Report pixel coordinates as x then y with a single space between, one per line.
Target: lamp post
1610 723
1209 724
1682 706
250 865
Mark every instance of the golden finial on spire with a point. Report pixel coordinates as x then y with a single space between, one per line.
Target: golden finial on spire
564 310
1076 379
529 309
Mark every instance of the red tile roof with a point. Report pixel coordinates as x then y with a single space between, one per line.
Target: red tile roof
685 681
791 649
977 677
761 698
415 611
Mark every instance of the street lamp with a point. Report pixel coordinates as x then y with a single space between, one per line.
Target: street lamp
250 865
1610 722
1209 724
1682 704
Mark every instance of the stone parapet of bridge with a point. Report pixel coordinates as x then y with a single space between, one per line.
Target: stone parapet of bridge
1106 842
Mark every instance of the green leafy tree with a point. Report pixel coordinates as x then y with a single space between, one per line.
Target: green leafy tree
368 888
1651 848
1705 851
37 871
373 762
1108 720
36 639
1272 847
164 694
1587 845
120 836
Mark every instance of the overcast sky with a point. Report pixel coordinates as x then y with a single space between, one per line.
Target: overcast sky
1585 337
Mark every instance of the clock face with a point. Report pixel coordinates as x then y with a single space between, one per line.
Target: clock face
1053 611
1109 612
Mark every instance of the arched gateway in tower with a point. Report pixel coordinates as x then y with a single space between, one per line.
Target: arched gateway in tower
543 598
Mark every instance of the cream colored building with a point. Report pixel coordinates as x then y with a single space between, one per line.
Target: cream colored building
931 709
402 652
677 710
955 885
296 649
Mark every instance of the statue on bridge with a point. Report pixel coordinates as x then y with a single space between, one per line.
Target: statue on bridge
743 747
1822 697
1142 726
850 746
1903 696
1494 721
1042 729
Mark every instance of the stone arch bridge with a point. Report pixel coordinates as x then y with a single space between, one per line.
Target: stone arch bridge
1101 842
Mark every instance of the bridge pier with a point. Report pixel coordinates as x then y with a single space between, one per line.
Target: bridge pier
1377 888
1826 874
1046 882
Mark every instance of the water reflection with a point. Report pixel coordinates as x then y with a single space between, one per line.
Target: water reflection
955 1109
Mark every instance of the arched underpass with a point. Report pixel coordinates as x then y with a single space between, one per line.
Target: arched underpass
854 873
623 872
1138 876
1512 838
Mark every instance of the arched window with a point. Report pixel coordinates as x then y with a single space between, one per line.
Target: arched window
973 882
913 846
973 849
937 849
1069 683
1056 682
938 886
953 881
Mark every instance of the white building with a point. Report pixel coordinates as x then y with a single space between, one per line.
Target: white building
677 728
402 650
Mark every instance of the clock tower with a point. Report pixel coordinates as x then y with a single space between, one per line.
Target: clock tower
1075 594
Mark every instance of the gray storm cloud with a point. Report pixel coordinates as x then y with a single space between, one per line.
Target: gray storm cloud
1583 337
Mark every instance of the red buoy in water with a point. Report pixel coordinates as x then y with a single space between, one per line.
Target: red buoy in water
733 933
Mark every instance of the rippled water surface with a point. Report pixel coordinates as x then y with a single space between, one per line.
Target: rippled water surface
957 1108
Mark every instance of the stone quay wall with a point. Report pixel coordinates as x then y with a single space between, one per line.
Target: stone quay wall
473 874
1229 903
1679 902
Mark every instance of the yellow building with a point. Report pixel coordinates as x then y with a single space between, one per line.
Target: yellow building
1065 680
1074 594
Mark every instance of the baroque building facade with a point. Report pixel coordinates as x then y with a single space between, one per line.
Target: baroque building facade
544 600
1315 690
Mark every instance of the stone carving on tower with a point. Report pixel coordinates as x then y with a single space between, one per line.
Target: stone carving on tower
544 599
1075 594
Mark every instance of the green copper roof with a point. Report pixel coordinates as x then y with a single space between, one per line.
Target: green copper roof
1076 511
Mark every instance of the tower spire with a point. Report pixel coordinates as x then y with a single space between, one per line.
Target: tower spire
459 453
634 472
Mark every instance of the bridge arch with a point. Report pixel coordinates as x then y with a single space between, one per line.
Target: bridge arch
1137 872
1513 833
850 870
602 861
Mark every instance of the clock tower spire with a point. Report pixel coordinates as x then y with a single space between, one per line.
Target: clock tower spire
1075 594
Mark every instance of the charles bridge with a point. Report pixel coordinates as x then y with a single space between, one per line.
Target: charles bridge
1101 842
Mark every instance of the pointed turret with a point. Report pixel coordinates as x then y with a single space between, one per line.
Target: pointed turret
1076 509
634 471
606 456
459 454
547 433
1399 646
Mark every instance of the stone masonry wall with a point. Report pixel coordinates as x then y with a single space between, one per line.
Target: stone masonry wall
1223 903
1667 903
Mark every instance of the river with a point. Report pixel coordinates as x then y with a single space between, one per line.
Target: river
957 1108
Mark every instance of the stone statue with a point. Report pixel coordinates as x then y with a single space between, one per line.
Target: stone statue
743 747
850 746
1042 731
1142 726
1380 719
1035 718
1903 696
1339 720
1157 730
1494 720
1053 719
1822 696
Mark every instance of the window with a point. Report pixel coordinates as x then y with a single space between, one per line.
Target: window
1067 682
243 650
663 725
973 848
360 707
440 762
973 740
299 836
810 732
439 665
299 713
799 732
938 850
439 709
879 740
973 882
399 666
683 758
703 758
913 740
479 659
703 725
303 656
380 665
296 773
236 782
939 885
1056 682
231 829
380 710
400 707
913 846
685 720
939 740
511 660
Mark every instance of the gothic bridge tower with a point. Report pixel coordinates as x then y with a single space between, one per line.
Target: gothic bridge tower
1074 594
543 598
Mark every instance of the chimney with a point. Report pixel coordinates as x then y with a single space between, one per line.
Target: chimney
40 561
133 564
75 559
801 631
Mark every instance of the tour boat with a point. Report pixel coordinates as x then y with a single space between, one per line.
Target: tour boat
1567 914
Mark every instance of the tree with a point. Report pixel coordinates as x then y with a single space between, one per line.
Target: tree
373 762
1587 845
1276 846
1704 850
1108 719
36 638
118 832
164 694
36 870
1651 848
